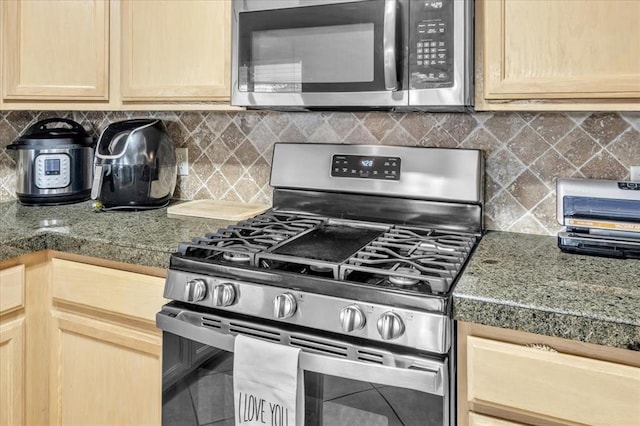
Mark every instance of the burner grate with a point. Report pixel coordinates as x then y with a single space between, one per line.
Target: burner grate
240 243
415 259
421 260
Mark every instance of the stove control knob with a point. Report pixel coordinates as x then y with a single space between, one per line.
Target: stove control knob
195 290
284 306
390 326
224 294
352 318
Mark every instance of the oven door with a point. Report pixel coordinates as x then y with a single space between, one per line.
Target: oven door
320 53
343 384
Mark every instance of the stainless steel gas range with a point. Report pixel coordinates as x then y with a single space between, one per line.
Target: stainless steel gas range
354 264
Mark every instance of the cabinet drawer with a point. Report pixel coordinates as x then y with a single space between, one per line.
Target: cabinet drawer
11 288
124 293
476 419
561 386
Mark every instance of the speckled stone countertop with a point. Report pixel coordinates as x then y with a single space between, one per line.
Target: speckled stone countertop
524 282
515 281
142 238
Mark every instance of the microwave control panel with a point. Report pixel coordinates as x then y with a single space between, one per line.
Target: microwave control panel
431 44
365 167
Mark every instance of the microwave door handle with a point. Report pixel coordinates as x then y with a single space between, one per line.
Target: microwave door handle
429 379
389 42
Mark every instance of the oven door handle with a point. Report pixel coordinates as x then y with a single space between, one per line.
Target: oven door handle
431 378
416 377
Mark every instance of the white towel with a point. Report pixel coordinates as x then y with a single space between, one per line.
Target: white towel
267 384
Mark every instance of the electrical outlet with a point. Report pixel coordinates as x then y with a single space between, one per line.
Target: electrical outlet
635 173
182 160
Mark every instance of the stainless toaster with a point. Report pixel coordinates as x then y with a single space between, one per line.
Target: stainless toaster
599 217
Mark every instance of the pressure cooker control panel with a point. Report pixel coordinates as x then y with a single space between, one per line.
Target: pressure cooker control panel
52 171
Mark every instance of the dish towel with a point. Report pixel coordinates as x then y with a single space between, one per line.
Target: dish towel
267 384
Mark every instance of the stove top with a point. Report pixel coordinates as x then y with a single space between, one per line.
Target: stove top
408 259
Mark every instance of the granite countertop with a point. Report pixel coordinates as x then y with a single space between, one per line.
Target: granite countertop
524 282
517 281
142 238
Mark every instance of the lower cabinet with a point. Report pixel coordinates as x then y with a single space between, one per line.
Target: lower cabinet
105 350
103 373
510 378
476 419
12 347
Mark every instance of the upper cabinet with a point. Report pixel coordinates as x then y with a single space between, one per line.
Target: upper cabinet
176 50
115 55
557 55
55 50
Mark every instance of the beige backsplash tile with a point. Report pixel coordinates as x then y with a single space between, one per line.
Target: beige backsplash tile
230 152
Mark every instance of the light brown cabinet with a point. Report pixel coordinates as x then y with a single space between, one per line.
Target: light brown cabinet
508 377
557 55
115 55
12 336
78 342
55 50
176 50
105 350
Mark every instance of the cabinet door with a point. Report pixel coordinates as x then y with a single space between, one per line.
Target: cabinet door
106 352
12 402
55 49
12 338
103 373
560 49
176 50
546 384
11 288
122 294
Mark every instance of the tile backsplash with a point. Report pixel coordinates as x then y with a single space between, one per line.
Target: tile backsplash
230 152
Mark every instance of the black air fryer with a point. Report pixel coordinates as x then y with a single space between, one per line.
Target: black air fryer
134 166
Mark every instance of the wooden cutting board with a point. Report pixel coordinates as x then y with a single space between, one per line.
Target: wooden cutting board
216 209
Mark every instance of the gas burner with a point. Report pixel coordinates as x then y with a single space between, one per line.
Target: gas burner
404 280
236 257
279 237
321 268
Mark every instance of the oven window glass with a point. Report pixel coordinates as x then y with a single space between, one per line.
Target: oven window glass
330 54
331 400
198 390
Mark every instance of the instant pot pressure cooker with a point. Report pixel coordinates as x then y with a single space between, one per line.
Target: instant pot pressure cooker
54 163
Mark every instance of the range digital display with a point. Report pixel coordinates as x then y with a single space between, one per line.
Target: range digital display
366 167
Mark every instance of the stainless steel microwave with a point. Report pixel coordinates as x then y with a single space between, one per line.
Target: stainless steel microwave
387 54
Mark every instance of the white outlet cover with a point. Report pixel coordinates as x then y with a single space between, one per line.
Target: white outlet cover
635 173
182 160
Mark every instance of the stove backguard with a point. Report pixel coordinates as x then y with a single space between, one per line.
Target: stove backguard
432 187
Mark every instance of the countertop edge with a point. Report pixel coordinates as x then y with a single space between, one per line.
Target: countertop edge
547 323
